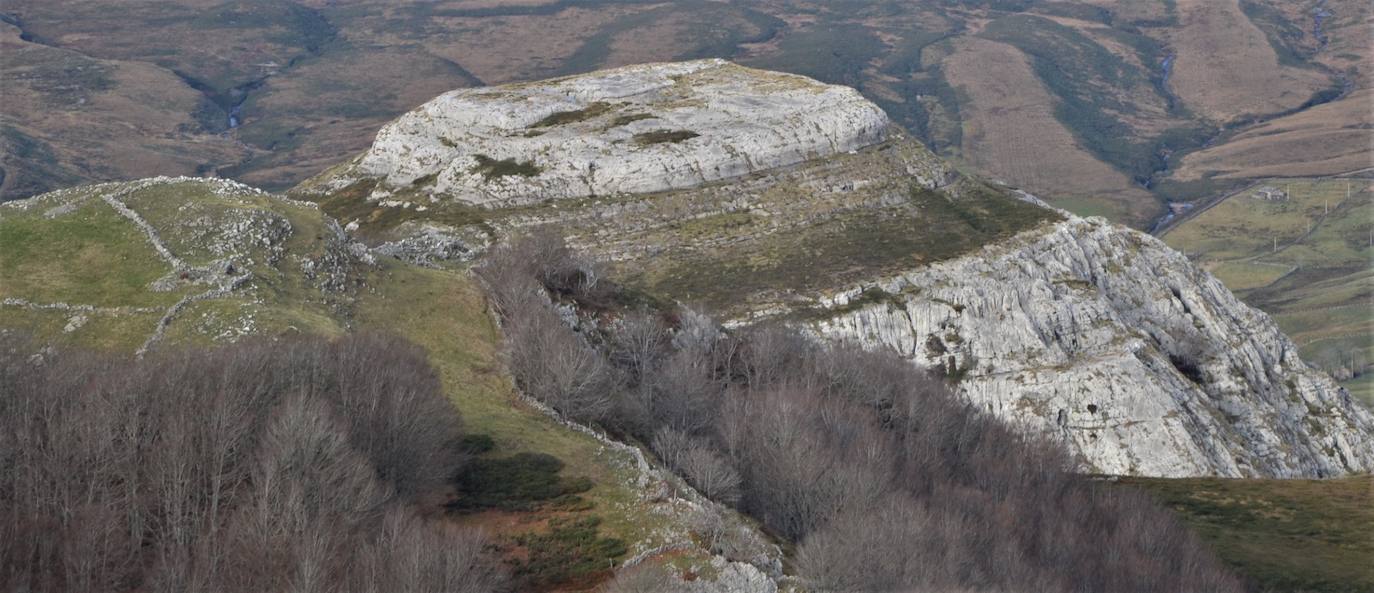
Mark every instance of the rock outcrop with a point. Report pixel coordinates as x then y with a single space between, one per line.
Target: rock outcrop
1105 336
766 195
637 129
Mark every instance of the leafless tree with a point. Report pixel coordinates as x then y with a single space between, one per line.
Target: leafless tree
242 468
772 354
542 255
671 445
703 468
556 366
408 555
639 341
684 392
386 388
711 474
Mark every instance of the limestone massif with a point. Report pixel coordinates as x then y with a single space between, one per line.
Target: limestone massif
1105 337
761 195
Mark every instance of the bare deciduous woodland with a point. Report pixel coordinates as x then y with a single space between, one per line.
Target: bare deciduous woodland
257 467
882 478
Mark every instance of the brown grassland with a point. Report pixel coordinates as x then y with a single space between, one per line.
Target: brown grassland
1328 139
1011 134
1226 67
66 118
1076 102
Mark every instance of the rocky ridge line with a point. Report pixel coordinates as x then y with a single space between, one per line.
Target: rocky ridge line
1143 363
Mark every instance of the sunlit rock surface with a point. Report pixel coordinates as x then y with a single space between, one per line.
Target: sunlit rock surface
1106 337
636 129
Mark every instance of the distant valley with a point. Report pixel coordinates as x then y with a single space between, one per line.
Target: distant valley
557 251
1102 106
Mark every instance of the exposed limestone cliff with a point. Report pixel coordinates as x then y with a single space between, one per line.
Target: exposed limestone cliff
636 129
765 195
1144 363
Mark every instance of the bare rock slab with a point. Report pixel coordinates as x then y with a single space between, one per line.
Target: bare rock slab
638 129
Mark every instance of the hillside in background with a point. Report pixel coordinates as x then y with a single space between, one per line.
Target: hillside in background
558 504
1299 249
1102 106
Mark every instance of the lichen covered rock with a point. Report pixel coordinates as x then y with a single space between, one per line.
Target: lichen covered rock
637 129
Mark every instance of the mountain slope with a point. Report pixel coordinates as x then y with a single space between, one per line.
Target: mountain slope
68 118
1300 250
134 266
1141 362
1144 363
269 92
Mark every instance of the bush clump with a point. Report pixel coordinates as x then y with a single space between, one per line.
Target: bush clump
492 169
664 137
570 550
560 118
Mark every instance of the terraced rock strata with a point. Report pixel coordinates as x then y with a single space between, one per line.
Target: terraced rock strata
792 199
1143 363
637 129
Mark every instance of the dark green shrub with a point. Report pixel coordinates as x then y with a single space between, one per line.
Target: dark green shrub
519 482
491 168
569 551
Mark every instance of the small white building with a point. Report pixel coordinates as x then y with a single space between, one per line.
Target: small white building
1270 193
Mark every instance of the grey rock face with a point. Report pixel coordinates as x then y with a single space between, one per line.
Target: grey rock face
637 129
735 577
1141 362
429 245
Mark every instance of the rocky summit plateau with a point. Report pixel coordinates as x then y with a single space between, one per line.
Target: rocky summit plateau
760 195
637 129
